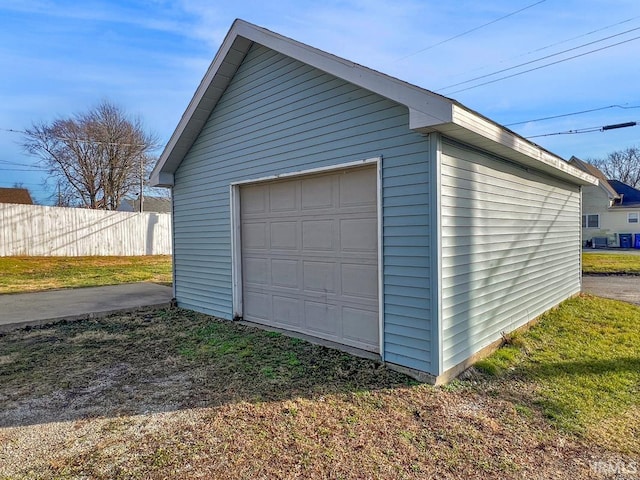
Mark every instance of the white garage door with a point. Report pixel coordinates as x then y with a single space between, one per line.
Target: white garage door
310 254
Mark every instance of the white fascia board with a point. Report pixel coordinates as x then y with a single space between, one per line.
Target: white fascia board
500 136
428 111
211 87
161 179
426 108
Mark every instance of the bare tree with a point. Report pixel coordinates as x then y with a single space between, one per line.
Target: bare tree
96 158
622 165
63 196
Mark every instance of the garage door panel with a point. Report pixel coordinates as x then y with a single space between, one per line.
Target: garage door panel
360 325
283 197
321 318
359 280
254 199
257 306
286 310
360 189
254 236
359 235
284 235
284 273
309 254
317 192
256 270
320 276
318 235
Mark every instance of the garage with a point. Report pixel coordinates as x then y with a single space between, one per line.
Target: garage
309 255
315 195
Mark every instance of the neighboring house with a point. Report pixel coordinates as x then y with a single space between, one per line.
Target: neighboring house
315 195
610 210
149 204
15 195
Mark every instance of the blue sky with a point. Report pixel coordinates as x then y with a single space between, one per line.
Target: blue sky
60 57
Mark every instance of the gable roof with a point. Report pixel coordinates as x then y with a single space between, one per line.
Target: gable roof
15 195
595 171
428 111
620 194
628 196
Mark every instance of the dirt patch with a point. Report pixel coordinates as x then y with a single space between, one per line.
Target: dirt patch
169 393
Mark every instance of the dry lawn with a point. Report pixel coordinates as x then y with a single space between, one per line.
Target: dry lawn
610 263
32 274
174 394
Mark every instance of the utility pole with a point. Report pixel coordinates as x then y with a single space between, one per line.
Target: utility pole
141 197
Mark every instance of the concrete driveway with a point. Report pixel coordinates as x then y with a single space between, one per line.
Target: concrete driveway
23 309
617 287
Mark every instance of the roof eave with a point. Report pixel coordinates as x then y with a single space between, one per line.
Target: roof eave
478 131
214 83
428 111
428 108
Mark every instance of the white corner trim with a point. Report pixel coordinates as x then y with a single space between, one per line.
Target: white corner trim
298 173
435 161
380 258
236 251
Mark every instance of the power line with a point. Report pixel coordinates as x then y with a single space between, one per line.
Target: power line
546 47
588 130
544 66
472 30
539 59
28 184
31 189
85 141
5 169
7 162
579 36
571 114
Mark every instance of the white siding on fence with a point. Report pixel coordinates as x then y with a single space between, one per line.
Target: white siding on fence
32 230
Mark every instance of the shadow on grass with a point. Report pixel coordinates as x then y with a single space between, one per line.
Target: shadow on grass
579 368
166 360
574 394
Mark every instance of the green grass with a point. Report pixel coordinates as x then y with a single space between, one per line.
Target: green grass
30 274
269 365
583 359
614 263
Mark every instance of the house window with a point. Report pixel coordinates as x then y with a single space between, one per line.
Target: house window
591 221
632 217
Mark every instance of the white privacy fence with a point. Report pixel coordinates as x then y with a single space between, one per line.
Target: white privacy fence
32 230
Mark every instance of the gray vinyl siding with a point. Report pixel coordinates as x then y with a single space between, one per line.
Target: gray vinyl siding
277 116
510 248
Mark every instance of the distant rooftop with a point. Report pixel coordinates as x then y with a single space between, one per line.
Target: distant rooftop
620 194
15 195
629 196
